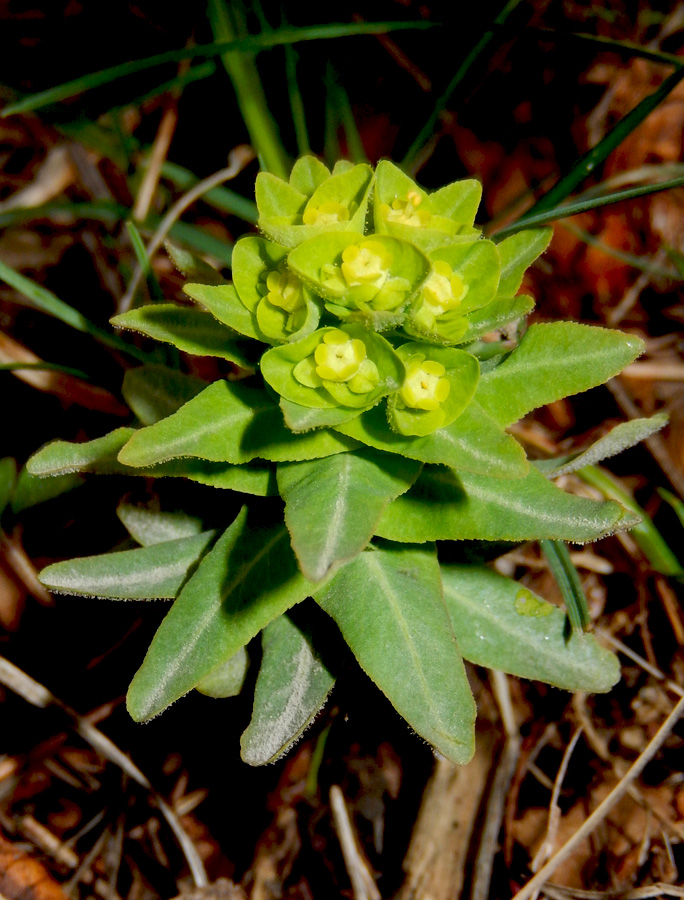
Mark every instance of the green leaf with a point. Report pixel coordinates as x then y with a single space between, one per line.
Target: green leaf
622 437
31 490
567 578
389 607
502 625
473 443
8 477
517 253
192 267
553 361
445 505
228 422
149 525
495 315
307 174
148 573
100 457
292 686
332 505
227 679
224 304
304 418
249 578
154 392
190 330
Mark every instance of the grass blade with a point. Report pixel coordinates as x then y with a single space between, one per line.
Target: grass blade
49 303
253 43
647 536
579 205
144 261
567 578
296 102
586 164
52 367
461 72
220 197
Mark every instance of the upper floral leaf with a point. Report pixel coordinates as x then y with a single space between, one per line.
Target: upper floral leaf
334 367
289 214
364 279
464 278
439 384
283 308
403 209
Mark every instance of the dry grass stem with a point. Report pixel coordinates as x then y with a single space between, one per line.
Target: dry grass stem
362 881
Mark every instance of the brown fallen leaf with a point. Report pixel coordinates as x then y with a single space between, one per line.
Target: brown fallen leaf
24 878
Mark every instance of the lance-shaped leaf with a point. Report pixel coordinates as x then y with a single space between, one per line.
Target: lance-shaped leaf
149 525
190 330
194 268
332 505
389 607
227 679
100 457
292 686
444 505
224 304
473 443
623 436
249 578
148 573
502 625
501 311
154 392
553 361
228 422
517 253
30 490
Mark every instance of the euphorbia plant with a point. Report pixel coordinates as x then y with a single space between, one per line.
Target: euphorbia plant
364 428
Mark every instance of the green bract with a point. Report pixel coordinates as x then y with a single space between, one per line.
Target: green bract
357 460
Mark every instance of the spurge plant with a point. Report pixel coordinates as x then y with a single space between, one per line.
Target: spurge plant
363 428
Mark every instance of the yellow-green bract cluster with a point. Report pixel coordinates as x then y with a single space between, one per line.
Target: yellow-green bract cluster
364 284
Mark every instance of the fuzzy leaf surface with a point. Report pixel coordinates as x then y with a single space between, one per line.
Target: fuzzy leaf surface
445 505
100 457
249 578
149 526
473 443
554 361
389 607
30 490
147 573
501 311
502 625
191 330
332 505
517 253
224 304
227 679
292 686
154 392
228 422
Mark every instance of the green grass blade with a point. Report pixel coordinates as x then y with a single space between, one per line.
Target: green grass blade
461 72
49 303
567 578
144 261
674 501
624 48
52 367
579 205
253 43
227 21
296 102
586 164
647 536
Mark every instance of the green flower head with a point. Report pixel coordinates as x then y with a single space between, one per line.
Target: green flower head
334 367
